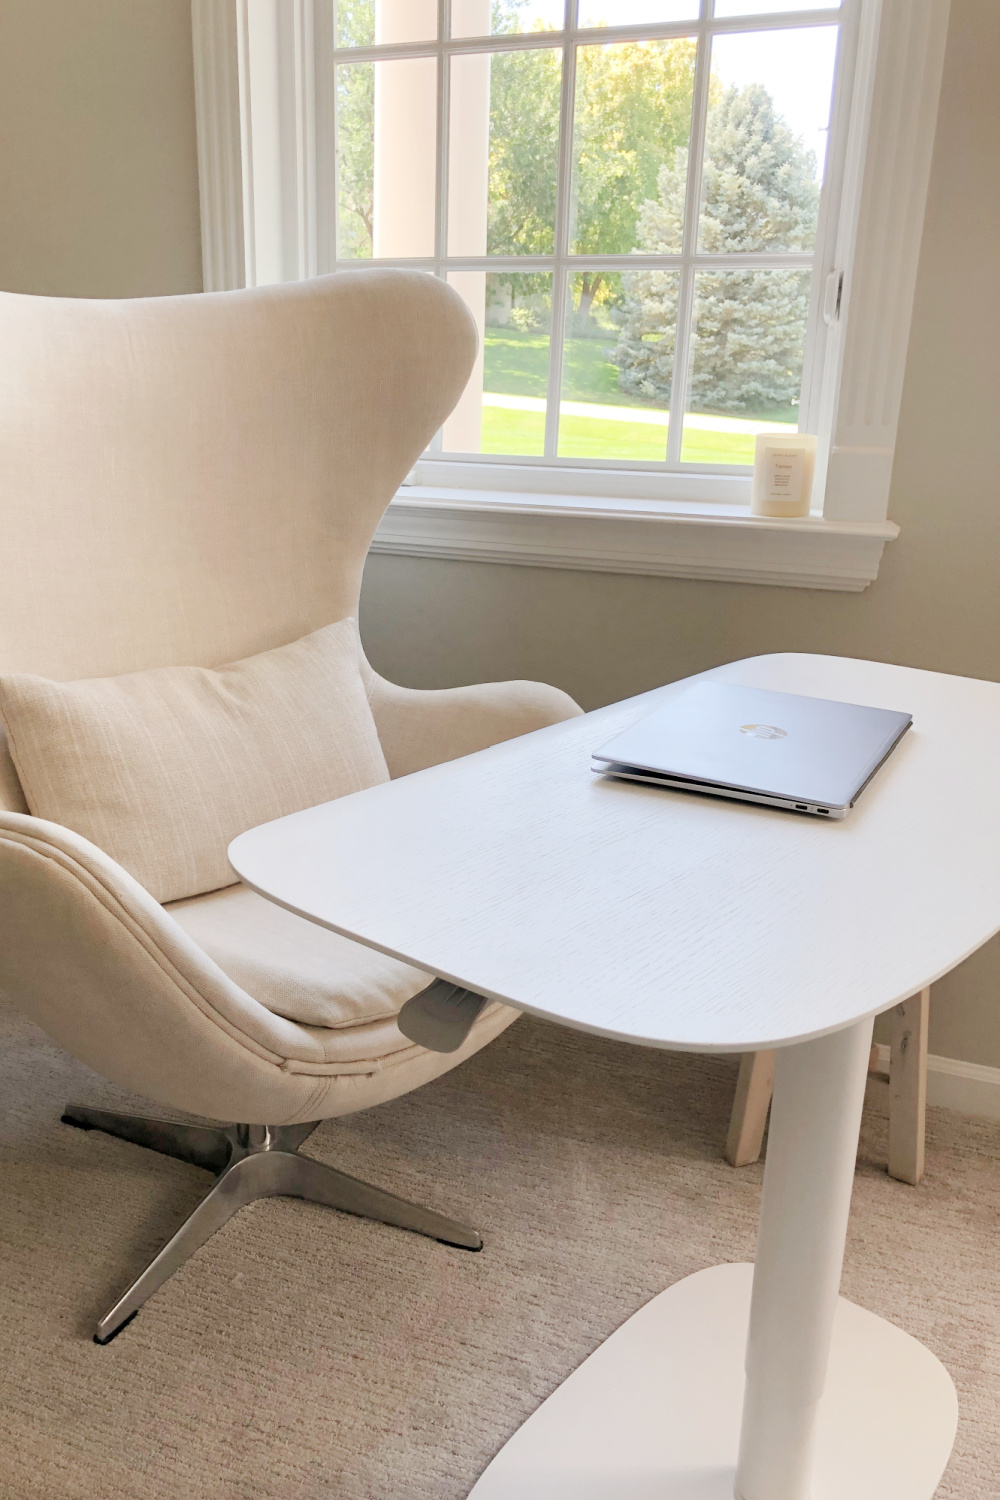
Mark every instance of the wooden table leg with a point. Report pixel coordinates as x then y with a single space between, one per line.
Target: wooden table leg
908 1088
753 1100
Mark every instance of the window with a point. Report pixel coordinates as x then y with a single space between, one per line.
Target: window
639 192
676 223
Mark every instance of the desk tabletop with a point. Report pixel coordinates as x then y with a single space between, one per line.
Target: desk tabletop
663 917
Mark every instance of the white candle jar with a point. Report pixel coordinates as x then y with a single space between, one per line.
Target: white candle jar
783 472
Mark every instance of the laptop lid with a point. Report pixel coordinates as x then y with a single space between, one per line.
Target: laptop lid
756 741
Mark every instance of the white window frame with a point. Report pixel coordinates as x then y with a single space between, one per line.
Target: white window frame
265 141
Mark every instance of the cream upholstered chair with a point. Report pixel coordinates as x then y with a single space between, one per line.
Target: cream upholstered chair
193 480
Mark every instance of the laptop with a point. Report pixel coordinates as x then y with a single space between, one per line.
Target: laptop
807 755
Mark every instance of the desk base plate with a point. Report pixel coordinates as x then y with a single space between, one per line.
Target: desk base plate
654 1413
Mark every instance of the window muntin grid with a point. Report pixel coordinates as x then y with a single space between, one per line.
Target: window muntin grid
562 267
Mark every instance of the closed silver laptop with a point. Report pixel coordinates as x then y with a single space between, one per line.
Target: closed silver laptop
809 755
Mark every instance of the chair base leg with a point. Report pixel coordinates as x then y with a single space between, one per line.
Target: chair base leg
200 1145
251 1162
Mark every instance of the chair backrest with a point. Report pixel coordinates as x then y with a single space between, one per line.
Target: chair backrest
195 479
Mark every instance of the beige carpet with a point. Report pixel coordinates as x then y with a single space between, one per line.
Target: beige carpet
303 1355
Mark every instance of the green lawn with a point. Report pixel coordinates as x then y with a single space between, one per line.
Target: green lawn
517 364
515 432
523 432
717 447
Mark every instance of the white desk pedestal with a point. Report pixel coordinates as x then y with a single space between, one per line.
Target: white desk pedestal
725 929
654 1413
835 1403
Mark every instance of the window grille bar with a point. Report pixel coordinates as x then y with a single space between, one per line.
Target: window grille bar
560 280
441 169
510 41
443 142
562 265
692 217
735 261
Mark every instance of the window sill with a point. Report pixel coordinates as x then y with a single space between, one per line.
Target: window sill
669 539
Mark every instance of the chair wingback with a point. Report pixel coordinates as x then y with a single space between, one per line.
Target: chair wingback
195 479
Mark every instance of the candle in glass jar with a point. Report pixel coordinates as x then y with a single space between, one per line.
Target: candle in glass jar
783 471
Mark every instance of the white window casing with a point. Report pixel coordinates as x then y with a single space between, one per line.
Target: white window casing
264 105
220 159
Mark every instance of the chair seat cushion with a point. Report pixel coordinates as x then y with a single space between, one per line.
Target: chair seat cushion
162 769
293 967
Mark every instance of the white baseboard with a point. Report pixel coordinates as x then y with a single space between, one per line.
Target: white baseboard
970 1088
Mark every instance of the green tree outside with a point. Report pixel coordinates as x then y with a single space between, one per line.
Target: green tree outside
633 115
355 137
633 111
355 23
759 193
630 161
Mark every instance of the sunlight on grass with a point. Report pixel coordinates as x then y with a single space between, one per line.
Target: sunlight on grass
589 437
522 433
517 364
699 447
519 433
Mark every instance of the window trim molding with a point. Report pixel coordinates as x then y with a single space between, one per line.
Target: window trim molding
220 128
678 539
903 50
900 57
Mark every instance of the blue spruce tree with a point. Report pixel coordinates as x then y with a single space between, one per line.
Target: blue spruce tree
759 193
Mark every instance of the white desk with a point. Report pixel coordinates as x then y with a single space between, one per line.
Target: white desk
676 921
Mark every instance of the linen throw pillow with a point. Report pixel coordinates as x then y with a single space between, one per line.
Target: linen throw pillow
162 769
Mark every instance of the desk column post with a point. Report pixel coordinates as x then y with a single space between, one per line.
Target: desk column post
812 1149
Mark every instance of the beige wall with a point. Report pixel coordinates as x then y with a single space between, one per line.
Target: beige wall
98 197
98 167
936 602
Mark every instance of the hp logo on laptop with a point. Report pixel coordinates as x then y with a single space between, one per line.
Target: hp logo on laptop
763 731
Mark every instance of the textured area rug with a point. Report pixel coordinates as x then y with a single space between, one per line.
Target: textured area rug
305 1355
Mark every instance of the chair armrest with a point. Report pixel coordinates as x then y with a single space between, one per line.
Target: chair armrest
423 728
110 976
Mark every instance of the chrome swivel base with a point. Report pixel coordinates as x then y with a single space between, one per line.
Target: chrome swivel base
250 1162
